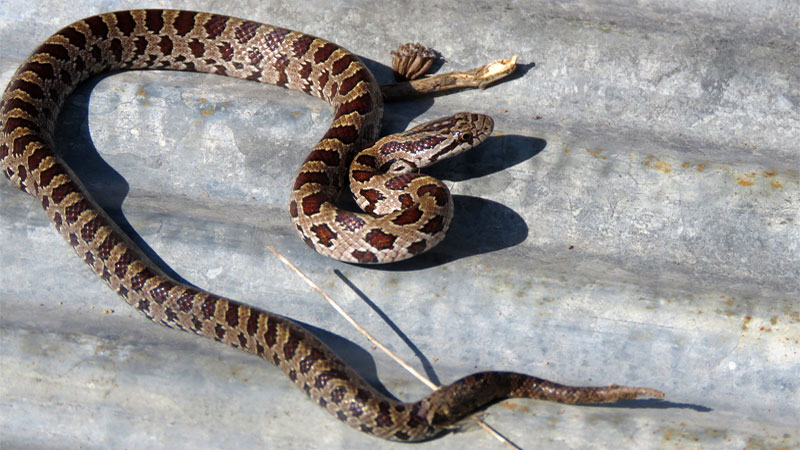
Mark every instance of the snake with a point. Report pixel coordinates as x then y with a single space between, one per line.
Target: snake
404 212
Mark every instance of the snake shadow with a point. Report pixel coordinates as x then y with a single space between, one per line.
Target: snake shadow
352 354
652 403
479 225
73 143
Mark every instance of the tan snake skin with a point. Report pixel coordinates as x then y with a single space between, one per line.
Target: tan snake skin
415 209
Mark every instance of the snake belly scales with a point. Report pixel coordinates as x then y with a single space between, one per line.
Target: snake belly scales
204 42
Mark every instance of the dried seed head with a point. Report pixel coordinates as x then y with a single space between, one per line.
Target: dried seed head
411 61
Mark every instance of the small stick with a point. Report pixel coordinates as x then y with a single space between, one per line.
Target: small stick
351 320
479 77
377 343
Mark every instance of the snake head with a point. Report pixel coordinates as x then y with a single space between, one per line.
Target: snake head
449 136
428 143
471 128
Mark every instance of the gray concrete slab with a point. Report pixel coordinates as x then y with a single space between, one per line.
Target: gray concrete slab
634 220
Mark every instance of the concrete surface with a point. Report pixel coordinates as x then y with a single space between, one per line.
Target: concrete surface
634 220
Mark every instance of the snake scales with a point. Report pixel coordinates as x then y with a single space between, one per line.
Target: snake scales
408 216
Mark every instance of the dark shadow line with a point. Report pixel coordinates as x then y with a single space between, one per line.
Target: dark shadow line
108 189
426 364
352 354
651 403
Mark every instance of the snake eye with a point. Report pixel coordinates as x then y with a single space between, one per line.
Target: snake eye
465 137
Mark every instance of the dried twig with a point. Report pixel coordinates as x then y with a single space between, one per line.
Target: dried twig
479 77
377 343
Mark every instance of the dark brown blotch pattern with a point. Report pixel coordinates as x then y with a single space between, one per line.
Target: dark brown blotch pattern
379 239
325 235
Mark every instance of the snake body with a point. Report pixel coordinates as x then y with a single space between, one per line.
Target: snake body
407 216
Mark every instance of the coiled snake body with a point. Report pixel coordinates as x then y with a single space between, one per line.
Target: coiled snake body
408 215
